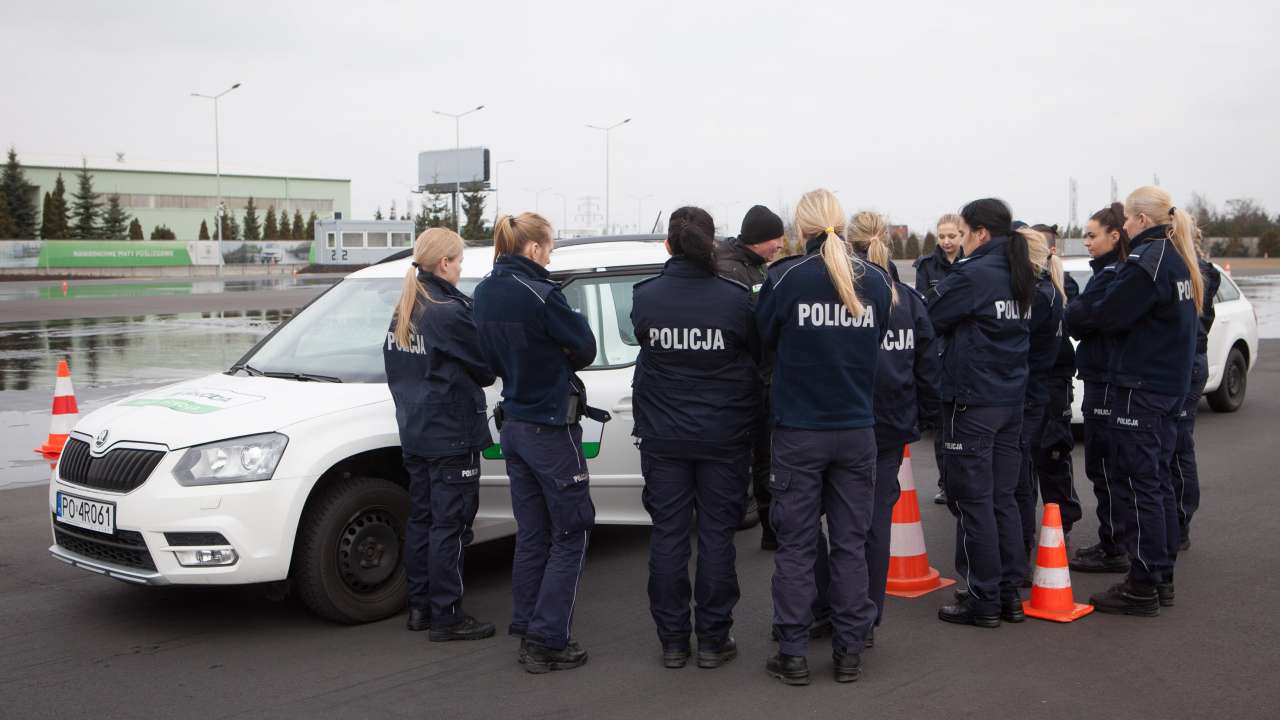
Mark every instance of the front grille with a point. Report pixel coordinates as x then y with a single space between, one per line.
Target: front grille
126 547
120 470
185 539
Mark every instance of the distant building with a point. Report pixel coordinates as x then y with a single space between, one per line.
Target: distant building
180 200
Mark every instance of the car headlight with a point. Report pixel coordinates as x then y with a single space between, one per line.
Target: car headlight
243 459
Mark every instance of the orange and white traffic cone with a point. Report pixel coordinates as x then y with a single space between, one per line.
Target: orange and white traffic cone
65 413
909 572
1051 582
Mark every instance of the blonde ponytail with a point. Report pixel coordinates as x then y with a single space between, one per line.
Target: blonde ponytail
1157 205
432 246
513 233
866 232
1058 275
1043 259
818 214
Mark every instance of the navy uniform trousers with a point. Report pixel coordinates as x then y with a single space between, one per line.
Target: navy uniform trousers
443 498
1028 481
982 457
816 472
1186 477
1052 454
676 488
1143 436
551 500
1099 465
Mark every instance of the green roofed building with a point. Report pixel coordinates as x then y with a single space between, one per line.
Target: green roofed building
181 200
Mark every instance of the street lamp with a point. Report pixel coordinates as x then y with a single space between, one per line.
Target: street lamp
564 212
457 147
640 210
537 197
217 167
497 189
607 130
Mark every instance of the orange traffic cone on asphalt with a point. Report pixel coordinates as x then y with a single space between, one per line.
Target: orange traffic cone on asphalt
65 413
909 572
1051 582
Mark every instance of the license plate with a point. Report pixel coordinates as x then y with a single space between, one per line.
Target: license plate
88 514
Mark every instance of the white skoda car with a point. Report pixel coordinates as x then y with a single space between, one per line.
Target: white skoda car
287 465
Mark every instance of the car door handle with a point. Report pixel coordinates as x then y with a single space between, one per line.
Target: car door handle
623 407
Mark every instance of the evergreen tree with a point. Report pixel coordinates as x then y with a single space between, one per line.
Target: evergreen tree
7 228
252 229
473 198
162 232
391 214
440 213
15 194
930 244
135 231
204 231
115 221
54 220
421 221
44 215
309 231
377 214
230 227
85 207
271 229
913 247
298 228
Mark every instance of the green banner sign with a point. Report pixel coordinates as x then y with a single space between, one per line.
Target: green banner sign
112 253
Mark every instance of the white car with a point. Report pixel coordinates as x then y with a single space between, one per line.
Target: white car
287 466
1233 342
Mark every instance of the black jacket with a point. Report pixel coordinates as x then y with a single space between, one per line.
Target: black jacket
1212 281
738 262
932 269
1065 364
983 330
906 394
1093 356
695 388
824 359
532 339
1046 337
436 382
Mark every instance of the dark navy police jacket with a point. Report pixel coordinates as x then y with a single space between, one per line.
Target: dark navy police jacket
1150 309
984 332
931 269
824 358
1045 327
436 382
696 387
906 394
1212 281
532 338
1093 355
1065 366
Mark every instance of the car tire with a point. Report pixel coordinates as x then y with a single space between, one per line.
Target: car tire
1235 381
347 564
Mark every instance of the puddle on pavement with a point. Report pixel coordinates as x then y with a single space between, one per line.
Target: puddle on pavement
52 289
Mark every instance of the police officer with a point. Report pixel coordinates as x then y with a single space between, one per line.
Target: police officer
535 342
1186 475
980 312
822 314
1151 308
930 270
696 396
1108 245
746 259
435 371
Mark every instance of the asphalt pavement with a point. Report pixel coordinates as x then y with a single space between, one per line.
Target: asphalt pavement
73 644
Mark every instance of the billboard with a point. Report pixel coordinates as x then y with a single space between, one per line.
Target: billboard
439 170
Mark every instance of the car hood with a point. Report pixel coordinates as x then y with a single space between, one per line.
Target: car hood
217 407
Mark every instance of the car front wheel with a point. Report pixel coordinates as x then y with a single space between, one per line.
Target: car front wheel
1235 380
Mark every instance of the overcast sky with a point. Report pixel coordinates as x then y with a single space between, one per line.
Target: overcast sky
911 108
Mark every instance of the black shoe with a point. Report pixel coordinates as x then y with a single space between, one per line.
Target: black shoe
1011 609
819 629
419 619
940 498
750 516
542 659
768 540
468 628
848 666
870 642
790 669
711 658
1095 559
1164 591
675 655
1127 598
523 655
962 613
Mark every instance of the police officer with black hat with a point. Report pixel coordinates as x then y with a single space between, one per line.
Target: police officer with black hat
435 371
746 259
696 394
535 342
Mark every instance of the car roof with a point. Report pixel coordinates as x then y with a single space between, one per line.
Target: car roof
573 256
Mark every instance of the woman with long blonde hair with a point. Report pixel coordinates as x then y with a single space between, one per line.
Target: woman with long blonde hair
435 371
1152 311
823 316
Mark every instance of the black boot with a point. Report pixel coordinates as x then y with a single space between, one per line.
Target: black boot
870 642
713 657
848 666
675 655
468 628
1128 598
1185 545
1011 609
790 669
962 613
419 619
940 498
768 540
1096 559
820 628
542 659
750 516
1164 591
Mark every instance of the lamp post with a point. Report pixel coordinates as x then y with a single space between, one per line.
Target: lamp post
217 168
564 213
457 147
607 130
537 197
497 189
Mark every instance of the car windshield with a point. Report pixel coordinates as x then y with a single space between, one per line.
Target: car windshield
339 336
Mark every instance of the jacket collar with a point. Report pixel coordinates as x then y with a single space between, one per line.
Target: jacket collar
520 265
679 266
435 282
813 245
996 243
941 256
1155 232
1104 260
746 254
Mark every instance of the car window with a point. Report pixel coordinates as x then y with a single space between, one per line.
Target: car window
1227 291
606 303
